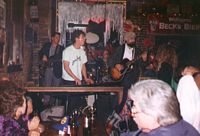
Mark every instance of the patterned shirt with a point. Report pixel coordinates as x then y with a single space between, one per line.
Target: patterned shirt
10 127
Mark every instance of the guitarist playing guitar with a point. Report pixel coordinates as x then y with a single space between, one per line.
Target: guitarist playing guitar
51 56
119 71
123 55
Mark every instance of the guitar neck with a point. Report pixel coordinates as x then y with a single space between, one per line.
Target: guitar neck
129 63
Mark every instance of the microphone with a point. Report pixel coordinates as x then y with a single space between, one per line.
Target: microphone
77 25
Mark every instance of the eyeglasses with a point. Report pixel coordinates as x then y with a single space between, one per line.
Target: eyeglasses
133 108
129 104
134 112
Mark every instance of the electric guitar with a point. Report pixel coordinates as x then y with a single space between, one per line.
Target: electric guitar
45 64
121 69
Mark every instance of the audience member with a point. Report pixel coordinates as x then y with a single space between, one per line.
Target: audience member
143 60
167 62
196 76
156 110
12 107
146 65
29 120
188 95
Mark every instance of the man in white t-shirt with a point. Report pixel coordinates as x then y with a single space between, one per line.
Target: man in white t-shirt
74 69
74 59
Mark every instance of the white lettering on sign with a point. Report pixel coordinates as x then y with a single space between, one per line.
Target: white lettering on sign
191 27
165 26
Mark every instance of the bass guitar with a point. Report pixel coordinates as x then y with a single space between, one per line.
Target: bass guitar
53 60
121 69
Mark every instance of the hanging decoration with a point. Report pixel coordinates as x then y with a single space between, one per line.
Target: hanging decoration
82 13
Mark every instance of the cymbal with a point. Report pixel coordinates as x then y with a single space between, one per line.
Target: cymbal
91 38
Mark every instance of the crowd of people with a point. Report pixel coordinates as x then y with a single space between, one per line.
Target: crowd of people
152 106
126 64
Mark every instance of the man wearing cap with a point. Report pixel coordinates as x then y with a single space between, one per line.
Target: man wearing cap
125 51
124 54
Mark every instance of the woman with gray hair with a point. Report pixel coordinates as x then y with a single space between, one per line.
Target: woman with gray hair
156 110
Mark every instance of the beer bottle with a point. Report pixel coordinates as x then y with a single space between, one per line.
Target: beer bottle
86 127
68 131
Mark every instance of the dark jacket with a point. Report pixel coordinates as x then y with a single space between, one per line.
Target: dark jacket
130 77
180 128
56 58
117 56
165 72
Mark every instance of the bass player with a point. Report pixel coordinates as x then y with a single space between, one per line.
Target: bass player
51 56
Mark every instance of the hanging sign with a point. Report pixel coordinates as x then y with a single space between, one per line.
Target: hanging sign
172 24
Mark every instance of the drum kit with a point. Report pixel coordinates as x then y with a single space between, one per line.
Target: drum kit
96 69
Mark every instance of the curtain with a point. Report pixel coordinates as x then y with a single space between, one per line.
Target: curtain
82 13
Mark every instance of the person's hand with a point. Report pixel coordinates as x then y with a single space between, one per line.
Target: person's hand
34 133
33 124
189 70
44 58
150 66
116 74
119 67
41 128
89 81
77 81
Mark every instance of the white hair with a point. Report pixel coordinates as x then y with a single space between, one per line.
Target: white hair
157 99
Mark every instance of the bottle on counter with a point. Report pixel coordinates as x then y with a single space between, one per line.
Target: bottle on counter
86 127
74 124
73 129
68 131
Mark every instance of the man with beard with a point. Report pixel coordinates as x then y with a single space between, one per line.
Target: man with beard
123 61
125 69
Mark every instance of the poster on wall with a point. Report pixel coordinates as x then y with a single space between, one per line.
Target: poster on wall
2 14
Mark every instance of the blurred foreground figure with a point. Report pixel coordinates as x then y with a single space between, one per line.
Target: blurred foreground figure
156 110
12 108
188 95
